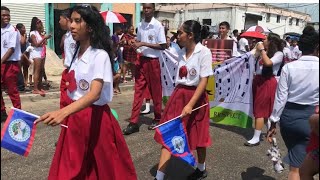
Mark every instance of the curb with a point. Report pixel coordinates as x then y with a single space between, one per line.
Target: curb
55 93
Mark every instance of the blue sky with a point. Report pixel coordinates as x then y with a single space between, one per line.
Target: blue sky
309 8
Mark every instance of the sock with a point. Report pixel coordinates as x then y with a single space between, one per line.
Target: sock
256 137
201 167
160 175
147 108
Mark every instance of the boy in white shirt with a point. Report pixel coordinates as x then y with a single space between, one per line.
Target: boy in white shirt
10 57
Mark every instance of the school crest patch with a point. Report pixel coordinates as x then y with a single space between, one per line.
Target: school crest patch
193 72
150 37
83 84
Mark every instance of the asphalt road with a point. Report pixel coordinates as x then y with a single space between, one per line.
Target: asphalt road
227 158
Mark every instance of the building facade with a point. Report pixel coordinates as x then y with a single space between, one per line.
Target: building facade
240 16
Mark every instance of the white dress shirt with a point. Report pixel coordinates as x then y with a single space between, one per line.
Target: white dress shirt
93 64
299 83
10 38
153 33
199 65
69 48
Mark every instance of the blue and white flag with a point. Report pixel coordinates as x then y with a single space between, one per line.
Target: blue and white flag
18 132
174 139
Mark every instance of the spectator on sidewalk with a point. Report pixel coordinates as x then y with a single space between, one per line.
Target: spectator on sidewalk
129 53
150 40
37 41
10 57
23 42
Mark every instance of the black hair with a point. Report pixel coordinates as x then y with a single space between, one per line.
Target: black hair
192 26
153 5
235 31
225 23
19 26
95 21
275 44
288 37
33 26
66 13
309 40
204 32
4 8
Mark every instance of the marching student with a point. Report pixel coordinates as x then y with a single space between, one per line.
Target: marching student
10 57
92 146
195 67
297 98
150 40
265 83
68 44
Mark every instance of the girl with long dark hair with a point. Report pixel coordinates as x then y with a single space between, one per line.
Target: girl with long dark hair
37 41
92 147
265 83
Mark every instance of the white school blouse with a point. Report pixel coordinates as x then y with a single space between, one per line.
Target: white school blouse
199 65
93 64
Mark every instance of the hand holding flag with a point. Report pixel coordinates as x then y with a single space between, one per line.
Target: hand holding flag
52 118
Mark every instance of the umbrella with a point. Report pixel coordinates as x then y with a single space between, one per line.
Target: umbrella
258 29
253 34
112 17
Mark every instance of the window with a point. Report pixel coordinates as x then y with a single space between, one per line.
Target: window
268 17
297 22
278 18
206 22
290 21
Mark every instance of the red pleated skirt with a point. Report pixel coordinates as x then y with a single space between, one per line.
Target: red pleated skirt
264 90
92 147
197 124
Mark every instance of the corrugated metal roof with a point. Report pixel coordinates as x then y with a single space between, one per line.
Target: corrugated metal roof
23 13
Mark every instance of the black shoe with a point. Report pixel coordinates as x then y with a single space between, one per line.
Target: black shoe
153 124
131 128
4 116
251 145
198 175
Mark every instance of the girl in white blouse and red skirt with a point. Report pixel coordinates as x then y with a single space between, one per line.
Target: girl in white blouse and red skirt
92 146
265 82
195 67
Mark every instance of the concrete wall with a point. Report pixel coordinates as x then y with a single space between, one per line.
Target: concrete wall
234 14
126 8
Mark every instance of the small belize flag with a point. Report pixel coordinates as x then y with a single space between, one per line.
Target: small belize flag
18 132
174 138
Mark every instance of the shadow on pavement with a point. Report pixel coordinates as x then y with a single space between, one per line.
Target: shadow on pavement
177 169
245 132
255 173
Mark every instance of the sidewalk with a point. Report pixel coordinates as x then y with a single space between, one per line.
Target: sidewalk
54 92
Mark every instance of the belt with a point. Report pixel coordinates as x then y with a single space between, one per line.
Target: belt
149 58
11 62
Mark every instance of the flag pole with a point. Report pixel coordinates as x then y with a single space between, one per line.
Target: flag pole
178 117
36 116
